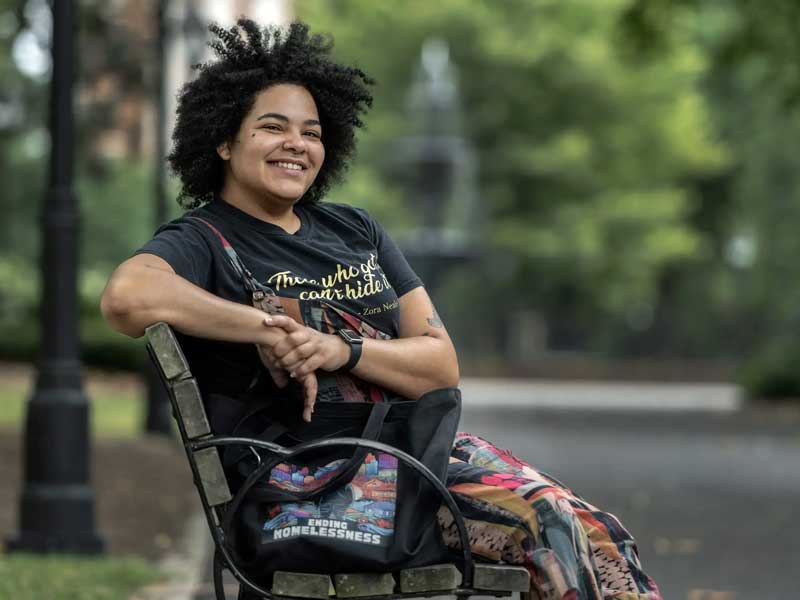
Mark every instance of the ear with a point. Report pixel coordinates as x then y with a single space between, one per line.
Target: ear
224 150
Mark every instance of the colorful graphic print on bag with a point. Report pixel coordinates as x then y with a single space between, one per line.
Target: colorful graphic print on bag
361 511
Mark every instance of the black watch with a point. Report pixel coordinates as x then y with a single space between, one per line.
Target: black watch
354 341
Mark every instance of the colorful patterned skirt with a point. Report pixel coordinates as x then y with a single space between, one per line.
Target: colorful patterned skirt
519 515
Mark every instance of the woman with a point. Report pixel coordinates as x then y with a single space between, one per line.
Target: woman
261 135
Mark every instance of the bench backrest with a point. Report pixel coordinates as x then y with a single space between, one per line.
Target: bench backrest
189 412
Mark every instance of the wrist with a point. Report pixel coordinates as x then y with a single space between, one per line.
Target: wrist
268 337
267 334
341 352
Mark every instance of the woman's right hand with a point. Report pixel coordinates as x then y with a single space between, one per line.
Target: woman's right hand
279 375
281 378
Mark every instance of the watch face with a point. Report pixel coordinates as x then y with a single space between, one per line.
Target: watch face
350 336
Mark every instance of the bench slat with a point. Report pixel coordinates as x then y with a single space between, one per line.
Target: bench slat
501 578
190 406
167 351
212 477
429 579
356 585
301 585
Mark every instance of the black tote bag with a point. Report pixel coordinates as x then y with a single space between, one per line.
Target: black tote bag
340 510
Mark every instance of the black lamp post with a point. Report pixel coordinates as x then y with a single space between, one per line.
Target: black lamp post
157 417
57 503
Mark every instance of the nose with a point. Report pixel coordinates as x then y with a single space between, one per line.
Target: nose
294 141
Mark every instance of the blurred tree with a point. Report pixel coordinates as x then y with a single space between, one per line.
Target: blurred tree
114 84
587 152
637 160
112 91
24 64
754 85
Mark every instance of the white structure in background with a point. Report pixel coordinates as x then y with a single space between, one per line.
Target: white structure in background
179 46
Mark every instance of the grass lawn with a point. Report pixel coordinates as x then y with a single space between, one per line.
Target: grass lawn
117 412
117 406
27 577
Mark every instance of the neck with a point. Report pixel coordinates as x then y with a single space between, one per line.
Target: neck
270 210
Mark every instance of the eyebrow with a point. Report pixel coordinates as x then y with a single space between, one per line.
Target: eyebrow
284 118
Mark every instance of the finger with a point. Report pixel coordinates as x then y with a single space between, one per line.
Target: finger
306 367
267 356
298 355
279 376
268 360
293 369
285 322
310 397
290 343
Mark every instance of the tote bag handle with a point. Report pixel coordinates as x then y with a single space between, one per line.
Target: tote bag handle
372 431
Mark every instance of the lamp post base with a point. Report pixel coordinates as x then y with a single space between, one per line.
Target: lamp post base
56 518
57 502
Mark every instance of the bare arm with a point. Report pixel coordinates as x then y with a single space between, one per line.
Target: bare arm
145 290
421 360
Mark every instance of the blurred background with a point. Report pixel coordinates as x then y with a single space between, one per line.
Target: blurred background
603 199
631 175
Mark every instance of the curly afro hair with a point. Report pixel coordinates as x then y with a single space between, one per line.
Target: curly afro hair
250 59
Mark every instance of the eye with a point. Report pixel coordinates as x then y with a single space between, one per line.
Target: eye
314 134
271 127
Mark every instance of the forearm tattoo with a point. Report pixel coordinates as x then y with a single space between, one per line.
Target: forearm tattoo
435 321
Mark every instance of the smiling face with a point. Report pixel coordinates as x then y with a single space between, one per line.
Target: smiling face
277 152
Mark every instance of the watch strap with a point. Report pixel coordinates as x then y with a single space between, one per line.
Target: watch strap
355 341
355 356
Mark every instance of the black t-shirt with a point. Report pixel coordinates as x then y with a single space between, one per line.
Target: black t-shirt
340 255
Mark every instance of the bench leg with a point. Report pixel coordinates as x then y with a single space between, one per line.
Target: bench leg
219 586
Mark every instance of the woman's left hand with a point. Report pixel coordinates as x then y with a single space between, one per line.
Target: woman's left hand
304 350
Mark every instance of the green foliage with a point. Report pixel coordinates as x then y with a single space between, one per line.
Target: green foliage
19 319
23 139
117 216
115 199
638 171
751 279
30 577
19 294
773 373
586 154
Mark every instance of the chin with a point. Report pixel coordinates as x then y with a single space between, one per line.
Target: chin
284 193
283 196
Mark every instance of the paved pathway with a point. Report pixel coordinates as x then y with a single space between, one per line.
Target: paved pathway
600 396
710 488
712 497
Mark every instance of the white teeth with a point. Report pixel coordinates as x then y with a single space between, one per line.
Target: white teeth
286 165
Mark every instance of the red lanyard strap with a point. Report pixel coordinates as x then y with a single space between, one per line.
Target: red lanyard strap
250 282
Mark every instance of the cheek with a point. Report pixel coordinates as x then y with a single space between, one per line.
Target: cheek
258 151
320 156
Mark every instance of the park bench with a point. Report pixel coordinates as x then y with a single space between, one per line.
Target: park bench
202 452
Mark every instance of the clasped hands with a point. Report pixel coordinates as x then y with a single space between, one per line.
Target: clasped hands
297 352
